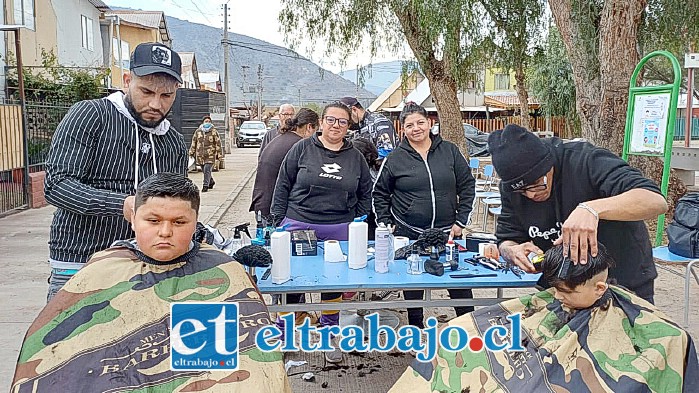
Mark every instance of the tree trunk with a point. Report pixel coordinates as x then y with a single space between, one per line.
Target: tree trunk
618 56
602 79
584 62
442 84
523 95
444 92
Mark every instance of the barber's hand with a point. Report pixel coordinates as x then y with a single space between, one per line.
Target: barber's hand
579 236
129 204
517 254
456 231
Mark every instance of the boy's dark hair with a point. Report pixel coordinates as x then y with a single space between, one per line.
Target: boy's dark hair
577 274
169 185
338 105
369 151
303 117
409 109
206 117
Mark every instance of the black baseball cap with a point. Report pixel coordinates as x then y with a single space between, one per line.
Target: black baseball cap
154 57
349 101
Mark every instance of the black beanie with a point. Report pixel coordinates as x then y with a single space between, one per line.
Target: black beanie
520 158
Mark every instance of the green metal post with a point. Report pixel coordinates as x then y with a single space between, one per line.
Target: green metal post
674 90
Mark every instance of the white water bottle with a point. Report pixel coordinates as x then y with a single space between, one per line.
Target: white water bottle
358 239
382 244
281 256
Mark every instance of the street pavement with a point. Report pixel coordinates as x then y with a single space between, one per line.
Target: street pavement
24 252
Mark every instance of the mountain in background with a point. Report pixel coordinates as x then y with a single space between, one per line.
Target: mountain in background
287 77
377 77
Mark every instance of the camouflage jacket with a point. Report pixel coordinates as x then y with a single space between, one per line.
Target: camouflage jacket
108 328
206 146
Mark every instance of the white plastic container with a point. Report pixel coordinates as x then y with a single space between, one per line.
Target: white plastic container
358 241
382 244
281 256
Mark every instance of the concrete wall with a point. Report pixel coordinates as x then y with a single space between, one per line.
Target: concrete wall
134 36
69 33
33 41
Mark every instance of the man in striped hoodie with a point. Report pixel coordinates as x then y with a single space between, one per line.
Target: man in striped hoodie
101 150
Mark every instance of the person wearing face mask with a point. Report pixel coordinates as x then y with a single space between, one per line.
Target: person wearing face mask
206 150
101 150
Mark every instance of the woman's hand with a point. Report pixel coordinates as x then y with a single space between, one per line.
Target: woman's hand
456 231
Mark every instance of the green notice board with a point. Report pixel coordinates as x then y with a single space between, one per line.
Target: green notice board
650 123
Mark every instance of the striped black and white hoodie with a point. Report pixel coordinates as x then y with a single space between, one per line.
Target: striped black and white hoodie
98 156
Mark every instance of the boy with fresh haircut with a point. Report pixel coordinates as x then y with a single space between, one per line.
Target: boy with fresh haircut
580 335
577 286
108 329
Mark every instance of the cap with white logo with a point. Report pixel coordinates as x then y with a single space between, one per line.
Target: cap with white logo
153 57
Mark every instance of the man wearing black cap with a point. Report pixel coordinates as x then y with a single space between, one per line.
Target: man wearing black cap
100 152
372 127
576 194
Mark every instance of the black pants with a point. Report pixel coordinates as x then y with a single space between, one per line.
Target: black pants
207 174
416 315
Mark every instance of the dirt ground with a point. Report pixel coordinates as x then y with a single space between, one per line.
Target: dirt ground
377 372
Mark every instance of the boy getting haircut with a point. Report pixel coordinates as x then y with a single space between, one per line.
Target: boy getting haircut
167 185
577 274
577 286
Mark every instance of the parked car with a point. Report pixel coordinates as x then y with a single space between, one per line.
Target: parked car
476 139
250 133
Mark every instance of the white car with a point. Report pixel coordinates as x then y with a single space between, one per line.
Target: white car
251 133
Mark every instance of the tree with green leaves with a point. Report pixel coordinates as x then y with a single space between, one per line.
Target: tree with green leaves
512 26
603 40
440 33
550 78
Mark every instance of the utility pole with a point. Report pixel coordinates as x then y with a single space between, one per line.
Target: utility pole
259 92
226 85
299 89
357 83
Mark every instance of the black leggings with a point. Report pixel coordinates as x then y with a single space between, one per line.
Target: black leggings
416 315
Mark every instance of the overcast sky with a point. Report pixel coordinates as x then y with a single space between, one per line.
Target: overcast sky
254 18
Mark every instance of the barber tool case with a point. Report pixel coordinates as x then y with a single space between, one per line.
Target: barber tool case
304 242
473 240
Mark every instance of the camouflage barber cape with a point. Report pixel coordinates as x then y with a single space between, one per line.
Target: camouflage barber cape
107 330
621 344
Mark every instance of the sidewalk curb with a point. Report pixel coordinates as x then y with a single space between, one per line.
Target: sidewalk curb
222 209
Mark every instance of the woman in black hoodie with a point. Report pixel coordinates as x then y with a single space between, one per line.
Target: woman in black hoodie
424 183
323 184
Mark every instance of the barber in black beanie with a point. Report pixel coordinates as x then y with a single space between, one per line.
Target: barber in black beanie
577 194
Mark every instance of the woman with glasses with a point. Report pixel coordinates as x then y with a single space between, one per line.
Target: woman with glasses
424 183
301 126
323 184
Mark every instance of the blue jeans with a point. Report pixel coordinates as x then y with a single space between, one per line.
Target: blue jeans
57 279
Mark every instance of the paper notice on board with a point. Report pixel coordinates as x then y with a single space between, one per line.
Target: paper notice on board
650 123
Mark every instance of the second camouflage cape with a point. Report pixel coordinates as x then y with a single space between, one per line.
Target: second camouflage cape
620 344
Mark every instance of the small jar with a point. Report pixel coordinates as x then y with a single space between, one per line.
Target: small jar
414 264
